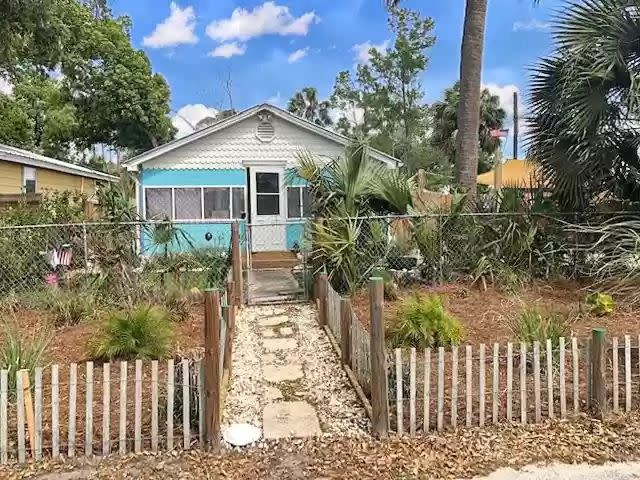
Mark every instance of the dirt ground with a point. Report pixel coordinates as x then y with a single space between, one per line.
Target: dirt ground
486 316
70 344
455 454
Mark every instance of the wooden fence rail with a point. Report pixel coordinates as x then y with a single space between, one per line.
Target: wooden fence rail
118 407
475 385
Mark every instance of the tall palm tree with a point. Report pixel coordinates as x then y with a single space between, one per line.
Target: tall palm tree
305 104
470 85
445 125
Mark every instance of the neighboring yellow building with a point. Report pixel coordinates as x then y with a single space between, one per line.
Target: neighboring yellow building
23 172
512 173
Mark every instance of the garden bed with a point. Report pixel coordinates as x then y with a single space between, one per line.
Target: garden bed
486 316
70 343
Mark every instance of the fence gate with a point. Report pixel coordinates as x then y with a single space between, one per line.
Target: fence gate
276 265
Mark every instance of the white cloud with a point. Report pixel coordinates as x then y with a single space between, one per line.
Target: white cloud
177 29
362 50
189 115
268 18
6 86
531 26
227 50
298 55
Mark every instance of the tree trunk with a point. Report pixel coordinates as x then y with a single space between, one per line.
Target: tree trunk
470 86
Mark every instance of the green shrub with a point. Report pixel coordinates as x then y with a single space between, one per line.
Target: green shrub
176 302
422 321
600 304
533 325
70 307
18 353
140 332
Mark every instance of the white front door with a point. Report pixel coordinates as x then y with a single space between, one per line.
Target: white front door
267 209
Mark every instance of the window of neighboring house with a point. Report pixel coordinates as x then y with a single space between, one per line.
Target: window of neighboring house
29 179
158 202
298 202
237 197
188 203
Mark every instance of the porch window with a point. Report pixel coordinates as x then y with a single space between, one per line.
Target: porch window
217 203
298 202
195 203
158 202
188 203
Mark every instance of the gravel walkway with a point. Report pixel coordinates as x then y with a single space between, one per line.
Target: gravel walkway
285 369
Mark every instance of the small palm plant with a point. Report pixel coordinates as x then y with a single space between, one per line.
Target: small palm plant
422 321
142 332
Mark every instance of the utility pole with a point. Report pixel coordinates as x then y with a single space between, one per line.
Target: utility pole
515 125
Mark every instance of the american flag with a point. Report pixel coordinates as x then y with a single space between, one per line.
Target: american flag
499 133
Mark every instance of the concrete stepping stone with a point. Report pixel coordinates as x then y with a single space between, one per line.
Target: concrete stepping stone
273 321
268 333
275 344
273 394
281 373
290 419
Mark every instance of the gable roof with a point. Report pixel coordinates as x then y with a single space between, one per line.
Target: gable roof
32 159
132 163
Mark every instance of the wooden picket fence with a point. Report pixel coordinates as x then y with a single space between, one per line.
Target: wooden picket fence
120 407
411 391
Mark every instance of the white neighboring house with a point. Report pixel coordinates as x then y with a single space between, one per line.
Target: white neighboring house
240 168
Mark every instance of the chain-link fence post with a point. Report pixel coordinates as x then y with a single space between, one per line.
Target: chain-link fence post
85 246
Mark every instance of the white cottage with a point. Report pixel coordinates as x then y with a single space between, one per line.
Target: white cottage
237 169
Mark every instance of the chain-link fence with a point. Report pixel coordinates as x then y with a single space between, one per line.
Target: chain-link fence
505 249
114 255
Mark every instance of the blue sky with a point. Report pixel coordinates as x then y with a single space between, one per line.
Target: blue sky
271 49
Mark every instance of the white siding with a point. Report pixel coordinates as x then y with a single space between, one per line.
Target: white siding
237 146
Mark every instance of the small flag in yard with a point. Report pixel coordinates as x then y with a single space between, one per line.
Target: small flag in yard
499 133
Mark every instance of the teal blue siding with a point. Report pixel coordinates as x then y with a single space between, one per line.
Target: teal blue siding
295 233
193 177
195 233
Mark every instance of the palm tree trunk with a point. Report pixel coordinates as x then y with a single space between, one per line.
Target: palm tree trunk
470 85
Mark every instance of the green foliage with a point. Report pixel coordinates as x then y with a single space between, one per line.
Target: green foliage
422 321
444 121
387 89
305 104
600 304
584 104
107 92
20 353
69 308
142 332
533 324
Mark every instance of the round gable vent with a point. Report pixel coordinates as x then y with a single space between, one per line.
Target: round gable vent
265 131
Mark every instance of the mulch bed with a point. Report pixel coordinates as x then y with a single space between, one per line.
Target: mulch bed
70 344
486 316
454 454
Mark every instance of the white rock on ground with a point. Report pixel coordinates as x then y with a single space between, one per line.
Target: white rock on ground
324 384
